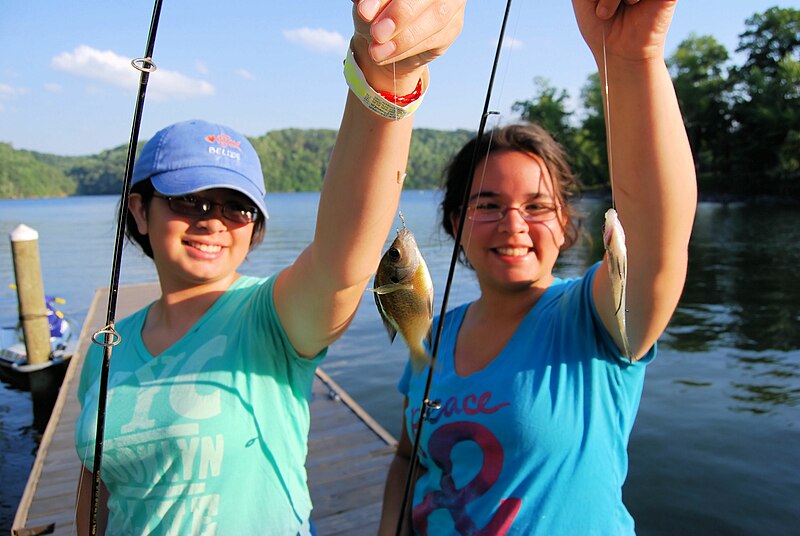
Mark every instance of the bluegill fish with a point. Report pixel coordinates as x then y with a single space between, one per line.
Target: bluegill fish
404 296
617 261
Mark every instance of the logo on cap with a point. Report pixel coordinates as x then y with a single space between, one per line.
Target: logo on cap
224 141
222 146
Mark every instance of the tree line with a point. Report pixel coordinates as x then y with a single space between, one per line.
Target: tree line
293 160
743 123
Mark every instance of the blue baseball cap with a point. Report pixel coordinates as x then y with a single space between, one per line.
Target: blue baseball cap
196 155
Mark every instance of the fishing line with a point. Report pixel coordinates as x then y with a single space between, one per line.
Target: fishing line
608 124
480 183
497 117
426 403
110 337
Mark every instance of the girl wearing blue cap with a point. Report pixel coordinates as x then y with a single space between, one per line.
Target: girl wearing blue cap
208 412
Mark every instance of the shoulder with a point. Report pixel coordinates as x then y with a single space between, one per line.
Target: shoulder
452 318
571 293
249 292
250 284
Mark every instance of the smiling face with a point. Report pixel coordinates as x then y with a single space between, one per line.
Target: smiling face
194 250
512 253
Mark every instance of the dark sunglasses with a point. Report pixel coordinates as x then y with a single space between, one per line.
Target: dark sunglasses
200 207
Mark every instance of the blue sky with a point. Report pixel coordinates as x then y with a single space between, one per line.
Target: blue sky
66 86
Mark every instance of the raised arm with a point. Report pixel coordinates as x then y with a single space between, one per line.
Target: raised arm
393 42
654 182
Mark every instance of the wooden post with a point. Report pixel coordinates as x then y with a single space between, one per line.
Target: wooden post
30 293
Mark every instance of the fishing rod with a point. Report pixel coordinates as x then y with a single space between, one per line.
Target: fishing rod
110 337
428 405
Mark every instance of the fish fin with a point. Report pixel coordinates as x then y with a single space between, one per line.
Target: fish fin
419 359
391 287
390 329
429 302
626 346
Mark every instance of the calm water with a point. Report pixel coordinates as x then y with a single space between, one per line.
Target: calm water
716 444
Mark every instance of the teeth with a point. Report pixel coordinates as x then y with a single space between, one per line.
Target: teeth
513 252
206 248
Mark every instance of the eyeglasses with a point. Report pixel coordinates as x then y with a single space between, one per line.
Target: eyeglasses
486 211
195 206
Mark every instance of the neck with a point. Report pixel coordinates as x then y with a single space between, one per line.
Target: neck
182 305
509 303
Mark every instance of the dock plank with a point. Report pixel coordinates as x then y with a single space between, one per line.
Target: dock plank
349 452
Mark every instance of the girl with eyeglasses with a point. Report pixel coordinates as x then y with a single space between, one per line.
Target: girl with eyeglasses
533 398
207 414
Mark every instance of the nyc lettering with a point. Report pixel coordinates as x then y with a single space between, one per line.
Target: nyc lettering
200 459
222 151
183 395
174 518
470 404
209 459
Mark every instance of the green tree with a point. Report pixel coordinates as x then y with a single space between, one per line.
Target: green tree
295 160
548 108
767 102
591 159
22 175
430 152
699 72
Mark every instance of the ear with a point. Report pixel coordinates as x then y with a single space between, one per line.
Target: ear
454 221
138 210
563 222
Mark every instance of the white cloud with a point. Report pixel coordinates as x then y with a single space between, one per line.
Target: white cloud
9 92
317 39
244 73
201 67
511 44
53 88
111 69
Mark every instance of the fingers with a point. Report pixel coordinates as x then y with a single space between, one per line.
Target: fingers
401 29
607 8
368 9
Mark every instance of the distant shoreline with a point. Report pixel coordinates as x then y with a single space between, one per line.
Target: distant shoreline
717 198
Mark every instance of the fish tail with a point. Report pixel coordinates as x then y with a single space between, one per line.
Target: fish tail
420 358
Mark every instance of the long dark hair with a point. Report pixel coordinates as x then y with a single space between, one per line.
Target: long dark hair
527 138
146 190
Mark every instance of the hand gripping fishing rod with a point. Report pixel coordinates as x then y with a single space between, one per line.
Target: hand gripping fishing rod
110 337
428 405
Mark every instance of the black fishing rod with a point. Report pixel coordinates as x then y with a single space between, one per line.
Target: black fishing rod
428 405
110 337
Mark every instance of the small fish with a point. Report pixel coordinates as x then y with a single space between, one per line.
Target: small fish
404 295
614 243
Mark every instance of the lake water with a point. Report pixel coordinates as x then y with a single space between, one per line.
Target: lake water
716 444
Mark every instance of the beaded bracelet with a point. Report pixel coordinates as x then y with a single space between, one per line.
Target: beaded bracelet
384 104
403 100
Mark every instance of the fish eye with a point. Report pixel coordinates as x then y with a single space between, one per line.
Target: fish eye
394 253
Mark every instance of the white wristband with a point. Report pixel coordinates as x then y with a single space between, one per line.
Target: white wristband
371 98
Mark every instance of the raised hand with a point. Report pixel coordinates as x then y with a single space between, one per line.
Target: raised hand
635 30
395 39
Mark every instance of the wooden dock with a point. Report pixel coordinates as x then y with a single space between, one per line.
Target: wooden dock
349 453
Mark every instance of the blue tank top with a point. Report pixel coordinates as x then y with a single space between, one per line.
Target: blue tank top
536 442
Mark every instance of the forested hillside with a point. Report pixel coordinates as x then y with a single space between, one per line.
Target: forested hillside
23 175
293 160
